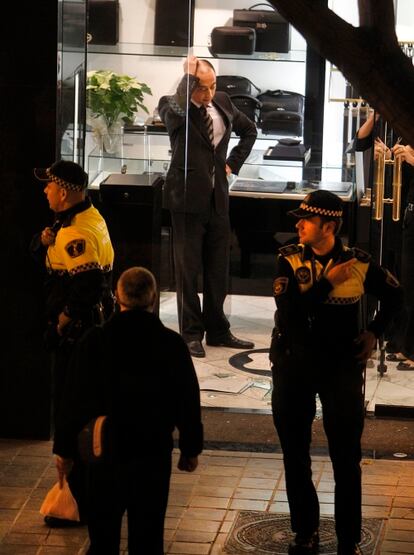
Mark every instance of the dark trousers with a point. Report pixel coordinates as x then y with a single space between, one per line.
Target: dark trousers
403 337
339 385
139 487
201 245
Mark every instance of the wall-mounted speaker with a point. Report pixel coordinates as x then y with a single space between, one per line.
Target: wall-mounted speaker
103 21
174 22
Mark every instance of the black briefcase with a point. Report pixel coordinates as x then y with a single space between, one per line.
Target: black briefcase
103 21
236 84
272 31
232 40
282 122
247 104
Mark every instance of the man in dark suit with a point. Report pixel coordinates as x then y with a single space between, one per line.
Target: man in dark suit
200 121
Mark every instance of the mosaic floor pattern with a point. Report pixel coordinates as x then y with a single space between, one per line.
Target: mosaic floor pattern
264 533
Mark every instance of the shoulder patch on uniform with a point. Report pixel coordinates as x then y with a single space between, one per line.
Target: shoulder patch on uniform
303 275
290 249
76 247
361 255
391 279
280 286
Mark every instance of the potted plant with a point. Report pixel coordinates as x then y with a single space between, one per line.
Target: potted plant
112 100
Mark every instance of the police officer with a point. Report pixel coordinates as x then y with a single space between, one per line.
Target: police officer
77 253
318 348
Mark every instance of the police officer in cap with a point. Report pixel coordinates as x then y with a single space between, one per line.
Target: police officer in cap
77 256
318 348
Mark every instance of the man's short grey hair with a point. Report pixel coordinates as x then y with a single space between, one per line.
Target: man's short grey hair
138 288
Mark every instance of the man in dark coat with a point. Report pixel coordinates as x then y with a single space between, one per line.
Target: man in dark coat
141 375
200 122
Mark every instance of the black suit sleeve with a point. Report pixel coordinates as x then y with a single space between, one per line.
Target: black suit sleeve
246 129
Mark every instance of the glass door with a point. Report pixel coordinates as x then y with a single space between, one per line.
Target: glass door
70 125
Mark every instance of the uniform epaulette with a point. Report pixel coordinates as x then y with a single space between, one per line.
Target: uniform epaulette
290 249
361 255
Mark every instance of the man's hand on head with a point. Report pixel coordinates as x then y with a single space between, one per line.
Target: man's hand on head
190 65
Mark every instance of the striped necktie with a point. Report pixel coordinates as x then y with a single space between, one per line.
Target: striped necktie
208 123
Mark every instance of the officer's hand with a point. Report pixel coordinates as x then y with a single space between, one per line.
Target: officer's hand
188 464
365 343
340 272
63 321
190 65
47 237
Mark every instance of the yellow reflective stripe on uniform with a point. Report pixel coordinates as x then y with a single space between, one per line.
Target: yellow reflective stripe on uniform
348 292
84 245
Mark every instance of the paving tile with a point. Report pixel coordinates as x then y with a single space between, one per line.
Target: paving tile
189 548
195 536
251 493
199 513
257 483
248 505
209 491
399 535
199 525
212 502
226 481
397 547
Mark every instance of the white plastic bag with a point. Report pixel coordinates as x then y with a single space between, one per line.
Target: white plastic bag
60 503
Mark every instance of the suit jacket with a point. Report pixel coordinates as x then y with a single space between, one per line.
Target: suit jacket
189 186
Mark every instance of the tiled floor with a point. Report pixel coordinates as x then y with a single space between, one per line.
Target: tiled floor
202 505
252 318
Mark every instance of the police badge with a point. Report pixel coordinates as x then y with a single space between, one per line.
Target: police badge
75 248
303 275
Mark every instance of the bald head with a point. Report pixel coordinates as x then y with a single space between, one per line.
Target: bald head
136 288
206 88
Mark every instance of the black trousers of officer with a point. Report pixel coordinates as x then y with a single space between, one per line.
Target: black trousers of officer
338 382
139 487
201 244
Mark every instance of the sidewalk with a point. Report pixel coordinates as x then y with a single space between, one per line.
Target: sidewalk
203 505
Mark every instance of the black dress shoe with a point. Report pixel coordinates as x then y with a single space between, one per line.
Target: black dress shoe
304 545
196 349
352 549
229 340
393 357
54 522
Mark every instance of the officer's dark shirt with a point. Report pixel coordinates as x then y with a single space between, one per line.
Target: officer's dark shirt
313 322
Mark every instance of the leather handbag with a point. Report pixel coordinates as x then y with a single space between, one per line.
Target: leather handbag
272 30
232 40
282 100
236 84
93 441
281 122
247 104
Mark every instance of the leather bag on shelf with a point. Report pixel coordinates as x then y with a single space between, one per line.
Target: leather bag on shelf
282 100
232 40
247 104
236 84
281 122
272 30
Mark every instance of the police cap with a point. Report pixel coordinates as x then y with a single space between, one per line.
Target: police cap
319 203
66 174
